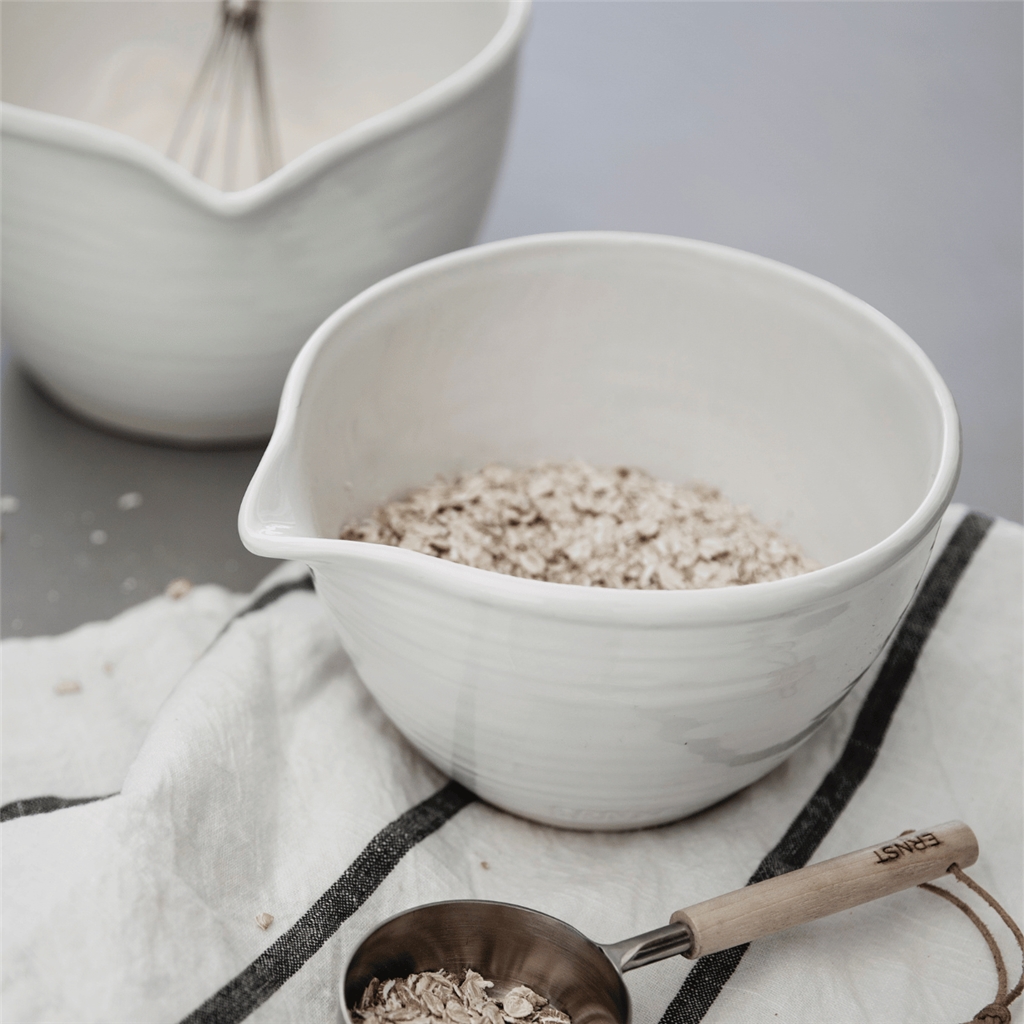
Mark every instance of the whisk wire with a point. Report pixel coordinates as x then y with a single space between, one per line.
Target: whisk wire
236 113
233 65
269 144
215 108
195 97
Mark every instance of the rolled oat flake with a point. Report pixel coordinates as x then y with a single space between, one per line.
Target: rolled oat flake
570 522
440 996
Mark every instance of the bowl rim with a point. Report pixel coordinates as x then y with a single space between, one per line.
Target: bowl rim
86 137
262 535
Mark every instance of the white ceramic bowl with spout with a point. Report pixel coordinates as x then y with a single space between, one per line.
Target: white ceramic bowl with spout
153 302
588 707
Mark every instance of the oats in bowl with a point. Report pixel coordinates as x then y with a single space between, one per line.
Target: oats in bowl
570 522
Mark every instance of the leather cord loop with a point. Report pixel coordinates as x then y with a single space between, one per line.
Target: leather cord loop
998 1011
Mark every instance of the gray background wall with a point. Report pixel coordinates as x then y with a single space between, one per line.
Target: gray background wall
878 145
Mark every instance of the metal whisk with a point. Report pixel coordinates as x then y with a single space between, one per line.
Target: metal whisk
231 84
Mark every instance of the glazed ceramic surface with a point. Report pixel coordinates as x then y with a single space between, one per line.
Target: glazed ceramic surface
149 300
590 707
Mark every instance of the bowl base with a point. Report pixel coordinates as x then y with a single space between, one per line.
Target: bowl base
197 435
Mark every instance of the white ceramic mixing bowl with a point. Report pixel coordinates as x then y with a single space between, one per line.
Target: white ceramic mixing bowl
598 708
153 302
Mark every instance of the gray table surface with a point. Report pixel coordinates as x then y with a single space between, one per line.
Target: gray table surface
878 145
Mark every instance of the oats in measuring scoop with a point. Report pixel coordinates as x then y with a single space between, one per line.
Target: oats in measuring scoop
434 996
569 522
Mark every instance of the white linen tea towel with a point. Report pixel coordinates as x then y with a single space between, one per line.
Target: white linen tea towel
204 811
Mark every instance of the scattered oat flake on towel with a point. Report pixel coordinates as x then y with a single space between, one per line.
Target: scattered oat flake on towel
264 921
439 996
67 686
178 588
570 522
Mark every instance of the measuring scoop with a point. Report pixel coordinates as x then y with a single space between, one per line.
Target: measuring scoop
512 945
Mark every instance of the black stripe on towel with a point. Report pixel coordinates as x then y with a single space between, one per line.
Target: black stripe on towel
274 594
268 597
282 958
710 974
45 804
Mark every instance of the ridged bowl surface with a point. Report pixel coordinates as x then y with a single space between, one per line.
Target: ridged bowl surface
588 707
148 300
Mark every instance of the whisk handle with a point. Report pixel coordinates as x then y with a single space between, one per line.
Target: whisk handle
826 888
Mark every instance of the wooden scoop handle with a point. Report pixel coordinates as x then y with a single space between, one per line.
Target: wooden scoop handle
826 888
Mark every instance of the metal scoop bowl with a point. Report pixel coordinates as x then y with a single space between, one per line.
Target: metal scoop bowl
511 945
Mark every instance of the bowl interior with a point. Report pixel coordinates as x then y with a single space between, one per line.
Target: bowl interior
689 360
129 64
